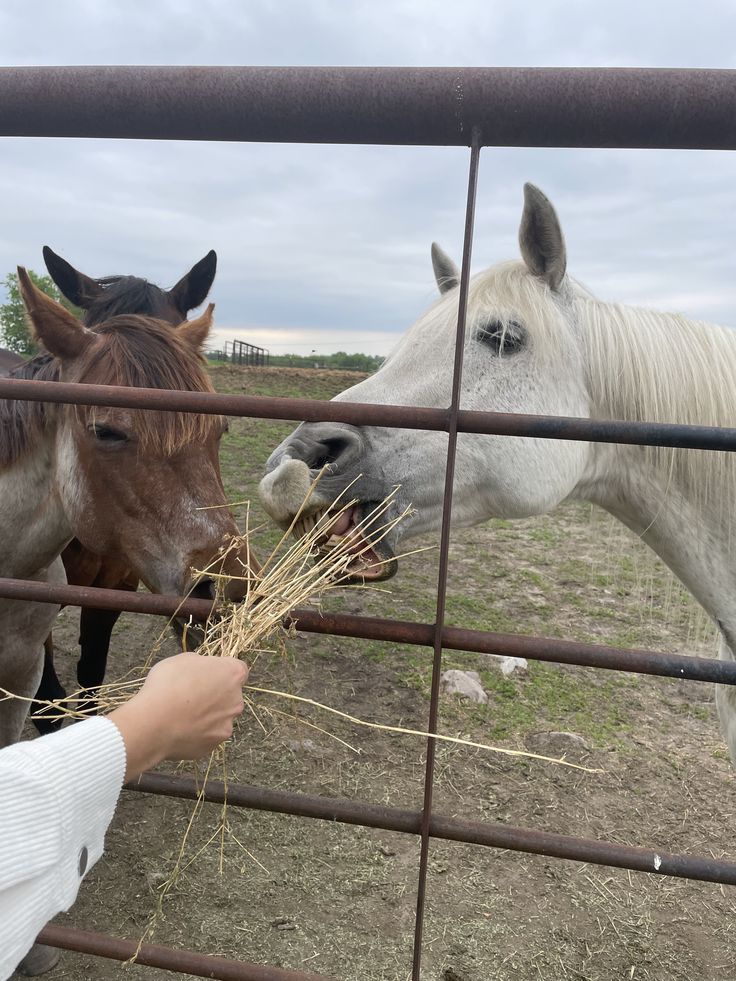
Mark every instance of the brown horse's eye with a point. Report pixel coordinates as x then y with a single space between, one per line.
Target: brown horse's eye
108 435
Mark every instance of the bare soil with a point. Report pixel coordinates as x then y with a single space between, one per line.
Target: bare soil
338 900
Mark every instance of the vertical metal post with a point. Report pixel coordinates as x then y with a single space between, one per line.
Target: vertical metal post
452 417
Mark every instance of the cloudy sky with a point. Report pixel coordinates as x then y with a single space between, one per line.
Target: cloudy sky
325 248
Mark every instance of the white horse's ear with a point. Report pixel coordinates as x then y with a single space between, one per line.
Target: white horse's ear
540 237
445 271
58 330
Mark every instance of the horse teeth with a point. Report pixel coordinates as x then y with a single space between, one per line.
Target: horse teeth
307 523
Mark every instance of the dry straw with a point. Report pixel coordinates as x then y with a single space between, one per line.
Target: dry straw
293 575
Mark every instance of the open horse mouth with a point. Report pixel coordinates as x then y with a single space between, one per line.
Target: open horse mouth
355 531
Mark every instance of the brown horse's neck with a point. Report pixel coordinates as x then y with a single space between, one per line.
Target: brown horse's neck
32 519
22 424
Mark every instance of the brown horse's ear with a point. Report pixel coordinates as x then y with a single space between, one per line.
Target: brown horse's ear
195 332
76 287
58 330
192 289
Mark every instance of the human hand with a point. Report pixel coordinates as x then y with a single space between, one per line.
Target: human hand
185 709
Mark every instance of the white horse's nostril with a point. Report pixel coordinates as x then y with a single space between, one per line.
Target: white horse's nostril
284 489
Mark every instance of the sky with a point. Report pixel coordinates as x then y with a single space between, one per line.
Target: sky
325 248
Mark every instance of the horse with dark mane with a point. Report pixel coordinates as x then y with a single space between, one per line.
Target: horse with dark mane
100 300
8 361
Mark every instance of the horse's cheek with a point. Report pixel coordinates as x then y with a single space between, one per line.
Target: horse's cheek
84 492
71 479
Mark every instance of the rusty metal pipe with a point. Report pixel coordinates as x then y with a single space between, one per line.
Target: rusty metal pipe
448 828
167 958
550 649
368 414
575 107
104 599
444 552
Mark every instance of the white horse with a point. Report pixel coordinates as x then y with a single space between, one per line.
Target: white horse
537 342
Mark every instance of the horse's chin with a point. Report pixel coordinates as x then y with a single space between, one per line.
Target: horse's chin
350 535
189 633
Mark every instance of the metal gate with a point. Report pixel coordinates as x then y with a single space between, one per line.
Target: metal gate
241 352
642 108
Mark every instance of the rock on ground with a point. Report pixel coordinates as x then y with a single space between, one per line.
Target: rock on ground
464 683
508 665
558 744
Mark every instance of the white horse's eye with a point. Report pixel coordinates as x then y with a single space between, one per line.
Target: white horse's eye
502 338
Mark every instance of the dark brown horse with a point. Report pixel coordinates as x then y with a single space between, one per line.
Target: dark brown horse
8 361
101 299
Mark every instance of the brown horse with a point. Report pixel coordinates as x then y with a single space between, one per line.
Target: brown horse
128 483
100 299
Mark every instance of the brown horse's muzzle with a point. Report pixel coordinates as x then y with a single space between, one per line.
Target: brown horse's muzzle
228 575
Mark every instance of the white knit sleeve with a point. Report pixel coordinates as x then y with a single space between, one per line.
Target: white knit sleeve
57 796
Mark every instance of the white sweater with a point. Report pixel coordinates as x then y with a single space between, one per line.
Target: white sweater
57 796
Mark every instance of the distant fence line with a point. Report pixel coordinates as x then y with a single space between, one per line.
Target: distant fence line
241 352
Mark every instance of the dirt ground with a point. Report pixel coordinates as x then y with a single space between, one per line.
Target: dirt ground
338 900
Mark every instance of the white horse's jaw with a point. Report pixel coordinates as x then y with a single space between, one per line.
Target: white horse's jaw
290 495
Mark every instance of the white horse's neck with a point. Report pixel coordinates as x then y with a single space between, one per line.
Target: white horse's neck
33 525
659 367
695 542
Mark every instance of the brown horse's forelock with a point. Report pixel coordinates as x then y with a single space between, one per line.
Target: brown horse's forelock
139 352
136 352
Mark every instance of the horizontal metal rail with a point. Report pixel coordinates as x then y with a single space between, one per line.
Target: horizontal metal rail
368 414
451 829
167 958
574 107
664 665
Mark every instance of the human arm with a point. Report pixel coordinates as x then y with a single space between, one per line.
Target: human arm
58 793
185 709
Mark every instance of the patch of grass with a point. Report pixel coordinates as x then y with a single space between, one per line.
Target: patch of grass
546 534
550 699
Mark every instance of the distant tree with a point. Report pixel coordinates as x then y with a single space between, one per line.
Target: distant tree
345 362
14 332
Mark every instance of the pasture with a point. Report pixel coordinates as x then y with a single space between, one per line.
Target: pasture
339 901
